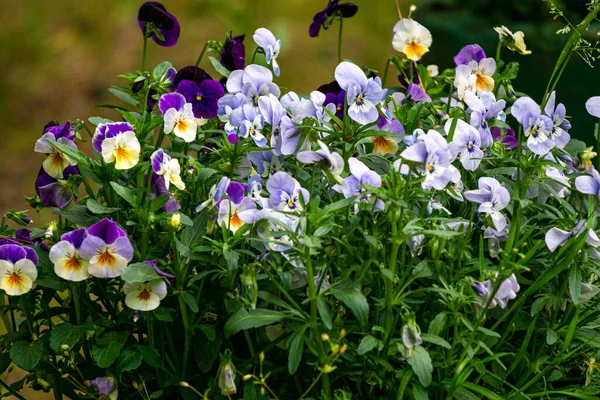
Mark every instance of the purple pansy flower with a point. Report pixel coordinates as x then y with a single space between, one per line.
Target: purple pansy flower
334 95
417 93
265 39
432 153
331 162
467 142
215 194
158 188
226 105
233 54
560 125
191 73
589 184
56 162
345 10
509 140
56 192
471 52
253 82
105 386
68 264
109 130
272 111
557 237
234 215
178 116
352 185
593 106
203 96
236 191
492 199
17 269
250 123
285 192
482 109
537 127
107 249
508 290
267 162
163 26
362 94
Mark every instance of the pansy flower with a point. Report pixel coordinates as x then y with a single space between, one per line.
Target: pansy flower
560 124
471 52
203 96
285 193
265 39
536 127
483 109
214 196
464 81
178 116
345 10
411 38
168 168
492 199
508 140
250 123
17 269
107 249
56 162
157 24
233 53
467 142
117 143
254 188
226 105
275 234
514 41
432 155
352 186
253 82
592 105
266 162
272 111
105 385
335 95
233 216
589 184
483 71
68 263
387 144
507 291
56 192
331 162
144 296
362 94
158 188
556 237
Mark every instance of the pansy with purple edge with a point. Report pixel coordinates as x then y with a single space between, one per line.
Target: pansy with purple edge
56 192
466 142
352 186
56 162
234 215
17 269
254 188
233 53
431 153
285 193
556 237
330 162
492 199
560 125
589 184
68 263
250 123
272 111
117 143
253 82
178 116
168 168
333 9
203 96
536 127
362 94
471 52
274 229
226 105
107 249
157 24
265 39
216 192
482 109
266 162
387 144
158 188
507 291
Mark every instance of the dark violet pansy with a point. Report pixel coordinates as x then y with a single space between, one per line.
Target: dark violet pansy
469 53
161 26
334 95
203 96
509 140
158 189
233 54
60 131
54 192
346 10
190 73
107 249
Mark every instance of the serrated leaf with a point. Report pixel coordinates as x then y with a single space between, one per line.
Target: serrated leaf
97 208
421 365
139 272
125 193
367 344
243 320
354 299
26 355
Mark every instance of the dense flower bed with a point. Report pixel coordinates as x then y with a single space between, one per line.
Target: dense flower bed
427 236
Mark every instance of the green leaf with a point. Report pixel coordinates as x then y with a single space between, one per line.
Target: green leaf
551 337
46 276
295 355
243 320
438 324
428 337
129 360
367 344
125 193
159 202
575 282
5 362
108 348
99 120
192 234
151 356
354 299
70 152
575 146
219 67
209 331
123 95
206 352
78 215
489 332
66 334
324 312
139 272
190 300
488 394
421 365
163 314
161 69
27 355
97 208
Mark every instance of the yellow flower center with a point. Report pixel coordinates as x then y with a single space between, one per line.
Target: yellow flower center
235 221
144 295
430 168
198 97
106 258
122 154
74 264
182 125
15 279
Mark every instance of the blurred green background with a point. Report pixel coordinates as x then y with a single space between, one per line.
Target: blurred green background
58 57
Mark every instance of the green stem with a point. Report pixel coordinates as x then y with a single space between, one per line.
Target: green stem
597 134
11 391
5 318
254 55
144 54
76 300
201 54
340 59
498 50
385 72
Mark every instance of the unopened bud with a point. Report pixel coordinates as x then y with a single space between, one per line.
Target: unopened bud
184 384
65 376
342 333
175 221
343 349
262 391
261 356
335 348
247 377
65 347
324 337
135 385
413 8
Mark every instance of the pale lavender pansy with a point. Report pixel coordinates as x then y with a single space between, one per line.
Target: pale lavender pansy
589 184
265 39
266 162
250 123
507 291
592 105
536 127
492 199
362 94
274 229
285 193
226 105
215 194
556 237
330 162
466 142
353 186
483 109
431 153
253 82
560 125
273 111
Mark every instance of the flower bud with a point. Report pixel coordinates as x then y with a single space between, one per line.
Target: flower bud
411 335
184 384
324 337
50 230
175 221
227 374
344 348
247 377
261 356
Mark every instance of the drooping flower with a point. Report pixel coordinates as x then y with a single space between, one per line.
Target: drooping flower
157 24
387 144
250 123
362 94
144 296
168 168
411 335
507 291
352 186
117 143
216 192
587 155
556 237
537 127
592 105
431 152
560 125
105 386
483 71
433 70
56 161
227 375
17 269
495 238
233 216
68 263
492 199
178 116
471 52
203 96
56 192
107 249
483 109
589 184
285 193
467 142
233 53
253 82
267 162
158 188
464 81
411 38
325 17
265 39
513 41
272 111
331 162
